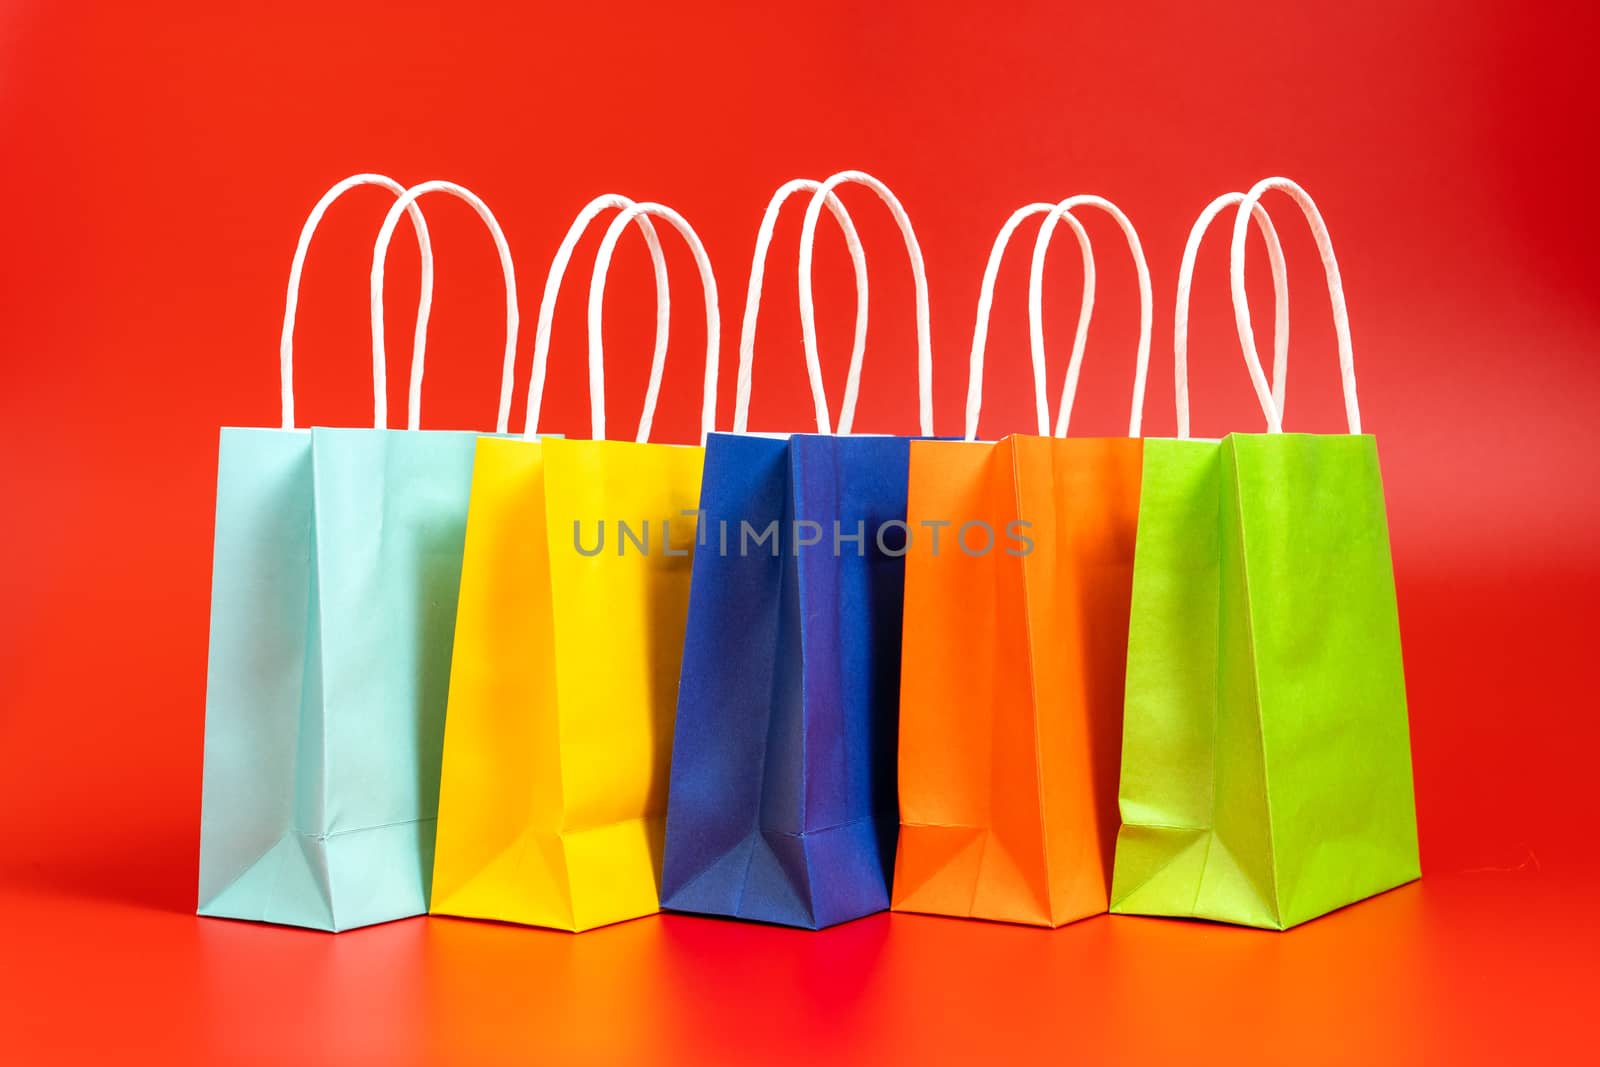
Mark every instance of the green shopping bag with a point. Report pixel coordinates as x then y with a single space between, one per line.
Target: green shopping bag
1266 760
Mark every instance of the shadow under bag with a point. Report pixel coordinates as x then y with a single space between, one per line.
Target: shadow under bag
1266 761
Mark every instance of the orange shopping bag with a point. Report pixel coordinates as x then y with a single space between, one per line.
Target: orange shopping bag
1018 580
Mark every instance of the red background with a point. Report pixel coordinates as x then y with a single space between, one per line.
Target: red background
159 160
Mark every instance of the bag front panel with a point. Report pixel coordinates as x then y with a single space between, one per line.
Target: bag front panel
391 525
851 602
1327 655
852 492
970 839
620 615
1080 498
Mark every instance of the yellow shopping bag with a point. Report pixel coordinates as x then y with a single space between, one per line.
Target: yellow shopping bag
569 632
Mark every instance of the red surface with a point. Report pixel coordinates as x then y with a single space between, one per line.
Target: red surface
158 164
1454 969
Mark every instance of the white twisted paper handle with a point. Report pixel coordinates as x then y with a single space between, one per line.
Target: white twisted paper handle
380 254
1280 289
980 327
291 303
552 289
752 308
597 291
1330 266
1069 391
808 313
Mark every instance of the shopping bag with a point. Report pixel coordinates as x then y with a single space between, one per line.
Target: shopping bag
337 557
1266 767
1014 640
782 798
569 634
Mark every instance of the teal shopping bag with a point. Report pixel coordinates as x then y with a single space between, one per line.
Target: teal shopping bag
1266 760
336 568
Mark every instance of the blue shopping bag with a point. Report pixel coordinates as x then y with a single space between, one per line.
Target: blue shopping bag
336 568
782 799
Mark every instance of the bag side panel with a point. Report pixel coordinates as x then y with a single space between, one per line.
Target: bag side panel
1236 882
500 784
729 694
1166 786
261 665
